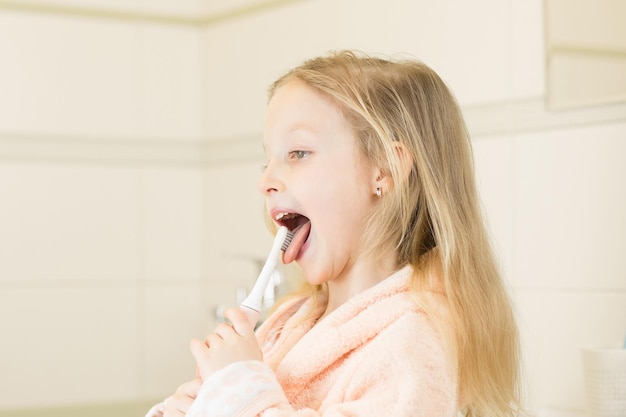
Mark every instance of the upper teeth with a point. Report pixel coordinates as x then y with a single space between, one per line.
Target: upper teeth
281 216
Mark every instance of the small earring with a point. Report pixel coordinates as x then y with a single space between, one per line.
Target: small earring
379 192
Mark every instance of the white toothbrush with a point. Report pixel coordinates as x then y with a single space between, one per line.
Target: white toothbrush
251 306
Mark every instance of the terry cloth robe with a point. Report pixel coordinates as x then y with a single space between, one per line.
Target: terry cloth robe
377 355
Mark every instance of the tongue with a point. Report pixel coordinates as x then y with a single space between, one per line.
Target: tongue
301 233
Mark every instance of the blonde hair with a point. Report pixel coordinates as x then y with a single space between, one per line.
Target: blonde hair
433 209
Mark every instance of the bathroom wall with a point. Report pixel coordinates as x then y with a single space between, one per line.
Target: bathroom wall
585 37
130 148
103 201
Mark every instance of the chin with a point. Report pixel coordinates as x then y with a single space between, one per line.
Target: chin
314 277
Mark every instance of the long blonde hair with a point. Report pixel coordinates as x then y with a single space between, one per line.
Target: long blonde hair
434 209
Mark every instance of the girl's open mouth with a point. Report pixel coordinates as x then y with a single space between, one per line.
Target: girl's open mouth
300 226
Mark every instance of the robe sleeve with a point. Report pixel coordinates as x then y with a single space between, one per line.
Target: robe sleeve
240 389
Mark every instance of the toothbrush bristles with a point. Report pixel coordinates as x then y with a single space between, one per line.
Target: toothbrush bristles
287 241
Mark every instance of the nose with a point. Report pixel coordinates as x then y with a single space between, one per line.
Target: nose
269 182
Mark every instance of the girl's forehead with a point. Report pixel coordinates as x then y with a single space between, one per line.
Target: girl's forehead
297 91
297 108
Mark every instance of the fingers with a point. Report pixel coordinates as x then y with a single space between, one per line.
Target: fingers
202 355
229 343
224 330
238 325
190 389
240 322
213 340
199 350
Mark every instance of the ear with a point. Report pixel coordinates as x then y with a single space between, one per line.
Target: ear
383 178
406 159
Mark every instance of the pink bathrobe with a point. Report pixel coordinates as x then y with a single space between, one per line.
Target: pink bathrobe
377 355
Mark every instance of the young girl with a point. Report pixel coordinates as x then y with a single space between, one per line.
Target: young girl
404 314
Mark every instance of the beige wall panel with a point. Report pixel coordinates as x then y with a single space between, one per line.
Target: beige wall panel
588 24
569 204
61 223
527 48
170 82
246 55
578 79
173 219
67 75
68 345
173 314
493 158
467 46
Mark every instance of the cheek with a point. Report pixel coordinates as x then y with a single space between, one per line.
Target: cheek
340 190
346 200
321 185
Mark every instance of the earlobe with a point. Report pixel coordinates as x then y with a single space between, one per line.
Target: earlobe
382 182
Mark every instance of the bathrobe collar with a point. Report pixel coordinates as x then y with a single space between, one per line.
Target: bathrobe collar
307 349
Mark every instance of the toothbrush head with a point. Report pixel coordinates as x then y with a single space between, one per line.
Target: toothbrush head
287 240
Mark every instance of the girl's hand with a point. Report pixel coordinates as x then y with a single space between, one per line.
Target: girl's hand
178 404
229 344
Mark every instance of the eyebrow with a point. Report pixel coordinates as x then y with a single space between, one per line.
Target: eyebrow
301 127
296 128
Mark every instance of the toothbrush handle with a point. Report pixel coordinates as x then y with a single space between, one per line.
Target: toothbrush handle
251 306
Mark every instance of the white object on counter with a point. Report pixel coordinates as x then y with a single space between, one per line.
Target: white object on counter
605 381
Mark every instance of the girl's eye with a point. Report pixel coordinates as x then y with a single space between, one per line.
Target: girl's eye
298 154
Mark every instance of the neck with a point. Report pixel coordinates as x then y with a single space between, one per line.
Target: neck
356 279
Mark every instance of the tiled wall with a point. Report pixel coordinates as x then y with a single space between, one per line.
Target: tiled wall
556 202
129 153
103 204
